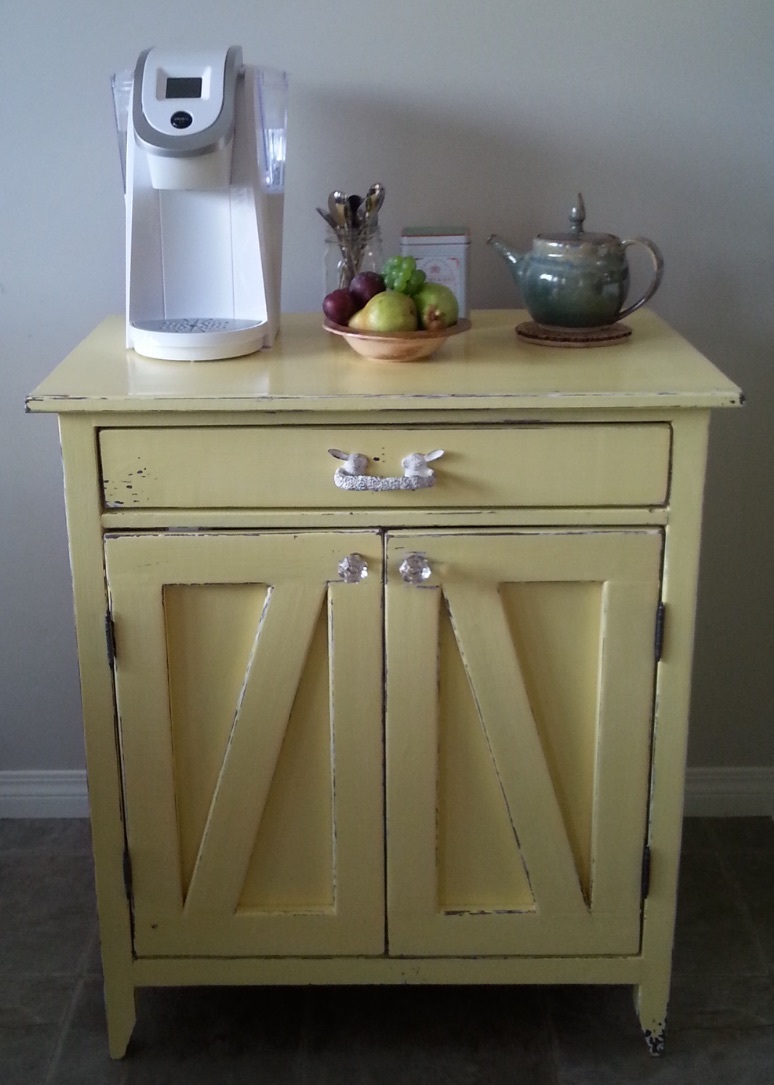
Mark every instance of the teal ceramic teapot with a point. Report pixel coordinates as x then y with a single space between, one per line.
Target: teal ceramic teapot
577 279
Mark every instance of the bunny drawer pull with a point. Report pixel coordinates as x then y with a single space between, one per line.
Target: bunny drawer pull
416 473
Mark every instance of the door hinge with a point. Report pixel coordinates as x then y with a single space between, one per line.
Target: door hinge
658 641
110 637
127 869
645 877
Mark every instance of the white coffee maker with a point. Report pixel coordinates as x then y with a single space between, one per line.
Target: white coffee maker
203 150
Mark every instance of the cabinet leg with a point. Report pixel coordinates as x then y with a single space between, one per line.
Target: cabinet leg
121 1015
650 1001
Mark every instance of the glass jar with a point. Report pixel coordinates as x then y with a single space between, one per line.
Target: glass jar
349 251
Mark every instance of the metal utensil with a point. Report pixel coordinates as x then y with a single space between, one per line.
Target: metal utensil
355 215
346 210
374 199
351 219
338 205
328 218
341 214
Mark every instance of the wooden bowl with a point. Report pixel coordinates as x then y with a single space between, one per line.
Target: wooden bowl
396 346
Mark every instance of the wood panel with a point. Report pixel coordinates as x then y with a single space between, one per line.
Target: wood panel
248 680
542 645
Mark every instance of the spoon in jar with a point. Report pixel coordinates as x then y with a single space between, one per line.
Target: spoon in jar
374 199
338 205
328 218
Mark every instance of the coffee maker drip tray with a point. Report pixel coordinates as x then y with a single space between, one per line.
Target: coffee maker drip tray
200 325
197 338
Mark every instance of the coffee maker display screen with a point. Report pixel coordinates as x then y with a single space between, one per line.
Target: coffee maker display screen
184 87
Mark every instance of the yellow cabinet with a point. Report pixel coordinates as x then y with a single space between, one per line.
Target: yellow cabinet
349 724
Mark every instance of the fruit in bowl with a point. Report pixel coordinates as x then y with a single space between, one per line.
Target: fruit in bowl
398 315
365 285
396 346
389 311
437 306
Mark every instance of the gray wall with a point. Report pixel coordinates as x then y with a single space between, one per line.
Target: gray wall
492 114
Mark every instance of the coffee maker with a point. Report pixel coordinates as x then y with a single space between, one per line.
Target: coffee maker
203 141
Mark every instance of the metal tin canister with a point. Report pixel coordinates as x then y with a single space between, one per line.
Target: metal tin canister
442 253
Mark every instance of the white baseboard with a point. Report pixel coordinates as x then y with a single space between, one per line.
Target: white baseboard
710 792
46 794
742 791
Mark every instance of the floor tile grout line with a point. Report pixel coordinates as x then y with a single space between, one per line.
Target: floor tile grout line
79 982
82 968
64 1027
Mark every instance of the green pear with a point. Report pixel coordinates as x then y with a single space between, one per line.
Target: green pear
389 311
437 306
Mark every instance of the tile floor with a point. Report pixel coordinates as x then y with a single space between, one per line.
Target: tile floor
721 1015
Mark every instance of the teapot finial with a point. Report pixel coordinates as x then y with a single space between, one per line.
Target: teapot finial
577 216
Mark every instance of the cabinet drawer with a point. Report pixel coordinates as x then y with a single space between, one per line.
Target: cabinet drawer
520 465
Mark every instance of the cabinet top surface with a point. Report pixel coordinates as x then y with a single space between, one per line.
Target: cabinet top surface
308 369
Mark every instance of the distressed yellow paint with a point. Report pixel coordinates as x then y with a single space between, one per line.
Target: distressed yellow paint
208 845
526 465
479 863
292 866
307 370
555 628
574 908
241 748
204 685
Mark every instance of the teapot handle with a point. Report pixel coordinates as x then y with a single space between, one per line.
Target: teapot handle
658 271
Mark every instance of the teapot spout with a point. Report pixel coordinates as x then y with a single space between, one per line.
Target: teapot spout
509 254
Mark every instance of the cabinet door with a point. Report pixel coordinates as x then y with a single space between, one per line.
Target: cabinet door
520 684
249 692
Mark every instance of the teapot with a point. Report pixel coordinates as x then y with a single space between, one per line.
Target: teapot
577 279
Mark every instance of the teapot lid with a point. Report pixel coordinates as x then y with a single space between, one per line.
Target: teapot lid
576 234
